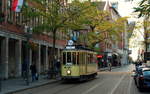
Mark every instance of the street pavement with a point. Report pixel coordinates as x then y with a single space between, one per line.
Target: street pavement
18 84
118 81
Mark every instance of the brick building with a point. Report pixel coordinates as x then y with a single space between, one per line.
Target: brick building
13 41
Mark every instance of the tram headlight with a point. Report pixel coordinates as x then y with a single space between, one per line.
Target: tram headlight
68 72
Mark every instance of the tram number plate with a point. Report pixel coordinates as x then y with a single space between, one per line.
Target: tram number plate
68 64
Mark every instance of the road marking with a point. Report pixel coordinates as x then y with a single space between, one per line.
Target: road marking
129 88
92 88
113 90
114 72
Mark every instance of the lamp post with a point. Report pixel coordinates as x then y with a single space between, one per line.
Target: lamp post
28 35
0 83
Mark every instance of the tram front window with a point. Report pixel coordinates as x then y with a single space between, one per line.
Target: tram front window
64 58
68 57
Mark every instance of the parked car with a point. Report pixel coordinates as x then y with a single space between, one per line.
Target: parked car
138 68
142 78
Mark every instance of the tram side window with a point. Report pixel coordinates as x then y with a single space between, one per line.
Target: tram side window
94 56
88 58
91 58
74 57
68 57
78 58
83 58
64 58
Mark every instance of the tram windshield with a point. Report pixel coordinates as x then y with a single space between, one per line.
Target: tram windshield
64 58
69 57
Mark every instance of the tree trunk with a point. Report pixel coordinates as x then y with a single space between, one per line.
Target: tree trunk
53 50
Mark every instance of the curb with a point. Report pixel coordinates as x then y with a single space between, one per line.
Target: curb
23 89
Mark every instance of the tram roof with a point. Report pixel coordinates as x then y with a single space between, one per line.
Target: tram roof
77 47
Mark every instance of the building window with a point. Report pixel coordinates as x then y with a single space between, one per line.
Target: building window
0 5
1 12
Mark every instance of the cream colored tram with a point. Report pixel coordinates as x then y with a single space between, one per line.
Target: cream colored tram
78 63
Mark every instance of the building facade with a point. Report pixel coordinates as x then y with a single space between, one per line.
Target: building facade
118 48
14 40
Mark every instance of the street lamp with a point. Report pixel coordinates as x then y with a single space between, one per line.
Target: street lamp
28 35
0 83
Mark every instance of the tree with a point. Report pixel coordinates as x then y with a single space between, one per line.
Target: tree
91 19
55 16
143 8
110 31
144 11
99 23
106 29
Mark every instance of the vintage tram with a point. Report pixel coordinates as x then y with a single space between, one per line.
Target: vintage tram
79 63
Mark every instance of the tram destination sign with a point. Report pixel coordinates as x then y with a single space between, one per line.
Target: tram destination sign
70 47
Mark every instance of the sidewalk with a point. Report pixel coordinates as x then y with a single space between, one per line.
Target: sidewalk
18 84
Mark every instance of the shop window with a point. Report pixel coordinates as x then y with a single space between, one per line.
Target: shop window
1 17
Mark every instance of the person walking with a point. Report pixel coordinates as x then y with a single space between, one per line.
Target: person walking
57 68
58 65
109 65
24 70
33 72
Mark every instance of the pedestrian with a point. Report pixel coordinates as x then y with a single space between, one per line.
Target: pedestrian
24 70
34 72
58 65
102 63
109 64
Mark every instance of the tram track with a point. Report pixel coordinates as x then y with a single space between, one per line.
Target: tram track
63 87
105 83
55 87
82 84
